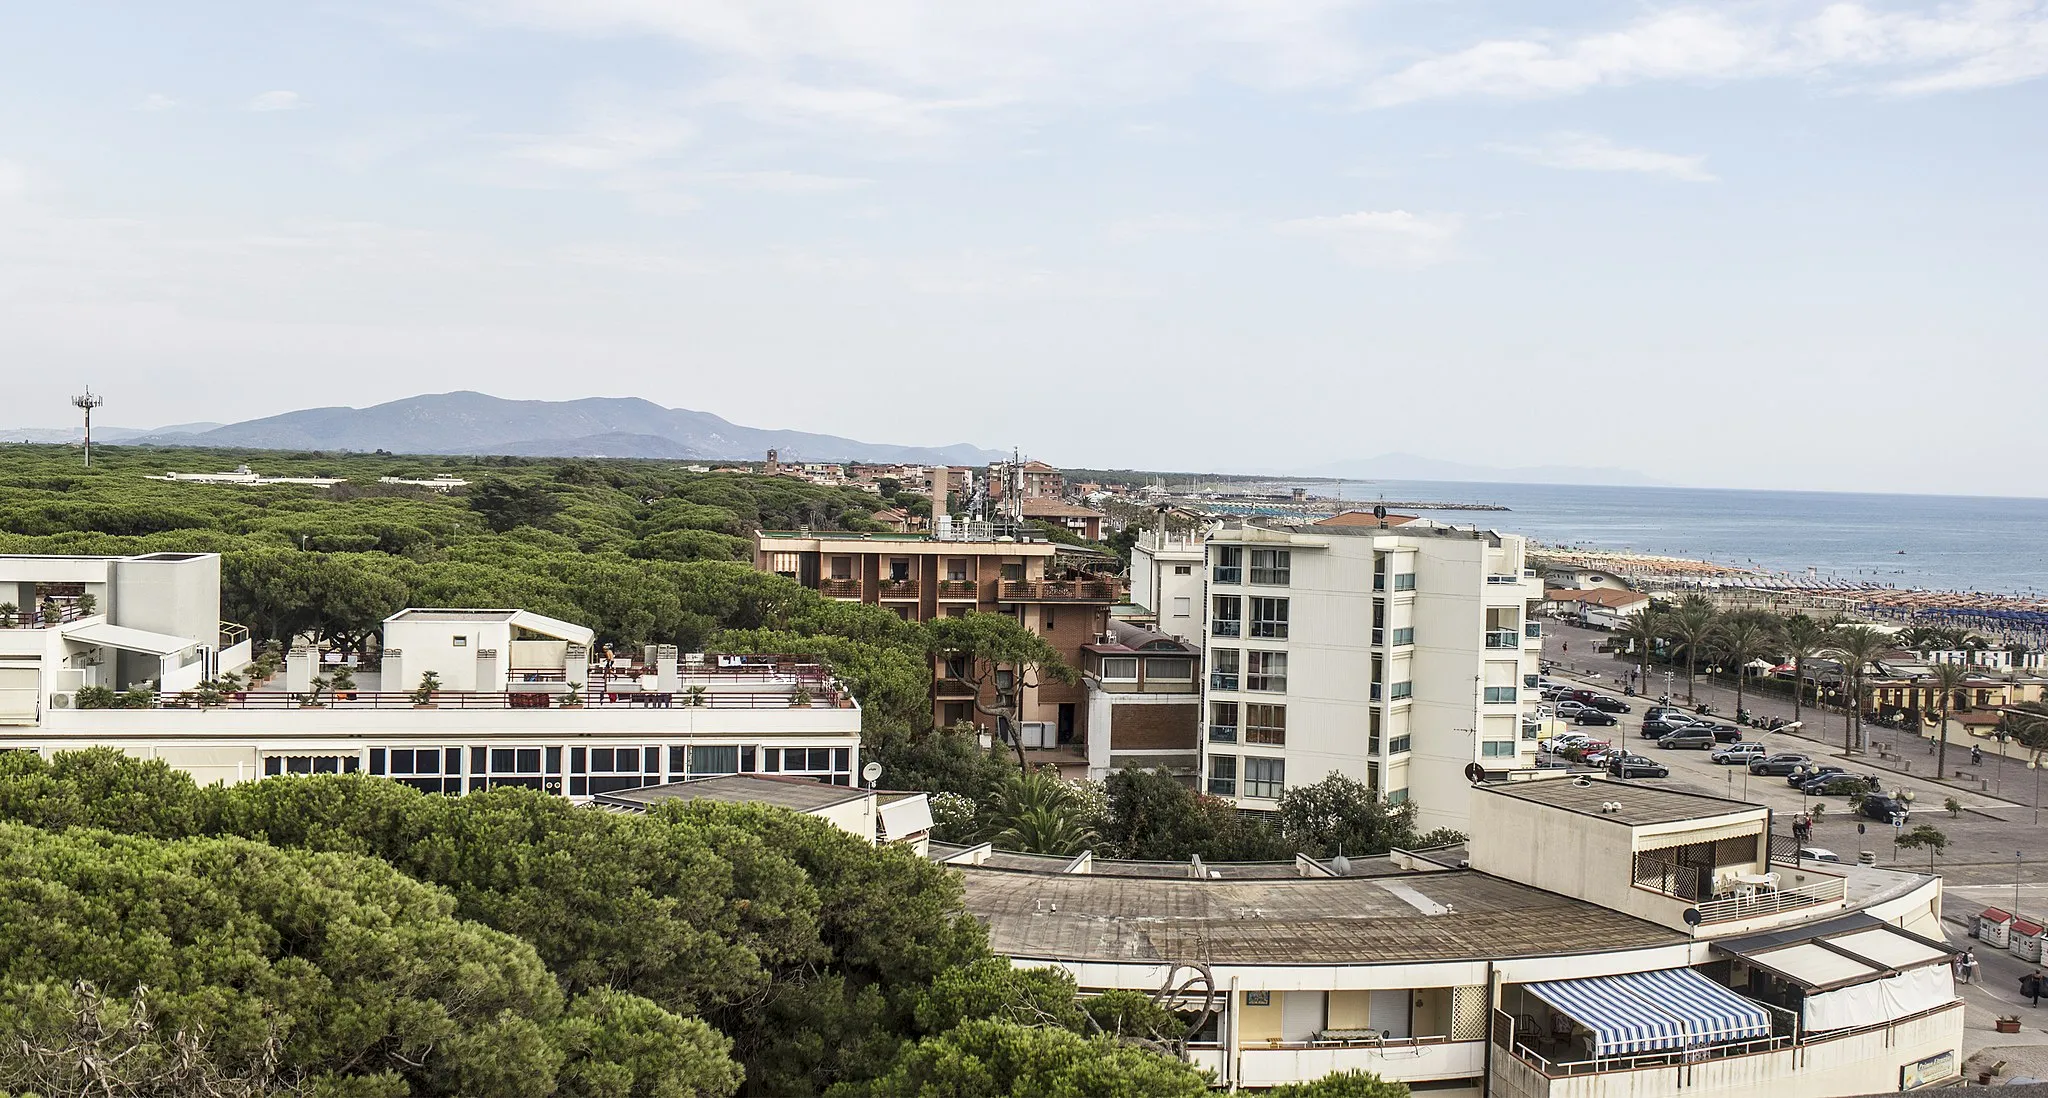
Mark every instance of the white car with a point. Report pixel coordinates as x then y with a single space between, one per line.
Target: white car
1564 740
1739 753
1818 854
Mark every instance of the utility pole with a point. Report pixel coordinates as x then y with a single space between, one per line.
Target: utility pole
87 401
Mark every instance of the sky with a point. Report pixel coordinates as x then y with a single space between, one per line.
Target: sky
1744 244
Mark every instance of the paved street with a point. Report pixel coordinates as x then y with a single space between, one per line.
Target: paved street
1995 855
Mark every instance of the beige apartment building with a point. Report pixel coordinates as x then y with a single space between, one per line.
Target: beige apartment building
957 570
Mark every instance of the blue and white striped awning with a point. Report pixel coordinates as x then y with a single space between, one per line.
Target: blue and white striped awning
1645 1011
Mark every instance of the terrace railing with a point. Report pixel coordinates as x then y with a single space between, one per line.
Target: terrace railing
597 698
1060 591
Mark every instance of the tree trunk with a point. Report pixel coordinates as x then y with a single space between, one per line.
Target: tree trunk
1798 685
1941 738
1689 699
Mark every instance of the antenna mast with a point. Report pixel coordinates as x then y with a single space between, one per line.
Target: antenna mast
88 402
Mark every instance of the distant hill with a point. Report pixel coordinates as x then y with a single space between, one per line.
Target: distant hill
99 434
476 423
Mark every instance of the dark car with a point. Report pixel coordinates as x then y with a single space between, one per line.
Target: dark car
1688 738
1609 705
1636 766
1779 764
1578 694
1657 730
1882 808
1594 716
1836 785
1723 733
1801 775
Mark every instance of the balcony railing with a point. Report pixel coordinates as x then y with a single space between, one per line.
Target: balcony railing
822 697
897 589
1828 890
839 588
1226 628
1503 638
1505 1037
959 589
1533 631
1509 578
1060 591
1222 733
956 688
43 617
1228 574
1222 680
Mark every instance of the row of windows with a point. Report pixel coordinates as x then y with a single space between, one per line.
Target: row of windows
1403 581
1492 749
1125 669
1269 617
1263 723
588 771
1270 567
1265 672
1500 694
1263 778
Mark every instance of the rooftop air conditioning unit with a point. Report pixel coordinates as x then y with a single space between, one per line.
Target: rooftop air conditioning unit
62 701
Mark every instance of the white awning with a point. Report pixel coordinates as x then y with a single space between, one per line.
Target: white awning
128 640
1886 1000
553 627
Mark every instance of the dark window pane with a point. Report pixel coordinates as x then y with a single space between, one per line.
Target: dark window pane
327 764
273 765
529 760
653 761
454 762
601 760
577 762
501 760
579 787
771 760
746 760
554 765
821 758
676 766
377 760
401 761
477 763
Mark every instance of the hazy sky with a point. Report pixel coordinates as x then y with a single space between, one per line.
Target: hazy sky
1749 244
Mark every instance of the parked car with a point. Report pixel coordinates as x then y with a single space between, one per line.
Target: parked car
1882 808
1567 708
1738 753
1818 854
1563 740
1801 775
1607 704
1779 764
1579 694
1595 716
1837 785
1688 739
1636 766
1657 730
1725 733
1549 692
1669 715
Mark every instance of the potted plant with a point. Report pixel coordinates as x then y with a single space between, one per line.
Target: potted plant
694 697
423 698
8 611
802 698
574 698
344 681
86 605
312 700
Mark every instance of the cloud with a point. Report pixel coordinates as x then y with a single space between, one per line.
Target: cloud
13 180
1976 44
1383 238
1587 152
1150 226
156 101
275 101
783 182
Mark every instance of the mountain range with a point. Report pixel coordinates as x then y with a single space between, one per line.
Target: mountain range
476 423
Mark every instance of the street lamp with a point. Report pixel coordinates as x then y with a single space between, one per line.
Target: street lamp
2035 766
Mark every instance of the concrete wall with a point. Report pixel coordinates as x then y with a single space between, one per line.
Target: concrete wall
176 597
432 646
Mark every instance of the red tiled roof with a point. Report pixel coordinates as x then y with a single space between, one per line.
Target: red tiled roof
2021 926
1055 508
1996 915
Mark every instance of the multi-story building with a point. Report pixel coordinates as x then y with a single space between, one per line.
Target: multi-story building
1144 702
1400 657
1594 939
1170 581
962 568
519 699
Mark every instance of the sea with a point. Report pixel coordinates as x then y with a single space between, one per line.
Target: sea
1941 543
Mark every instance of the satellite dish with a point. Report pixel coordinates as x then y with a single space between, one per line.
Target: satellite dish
1379 511
1475 773
1691 916
1342 865
871 772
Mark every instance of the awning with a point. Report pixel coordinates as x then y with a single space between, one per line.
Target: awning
129 640
1839 953
1643 1011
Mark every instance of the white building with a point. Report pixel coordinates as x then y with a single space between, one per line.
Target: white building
878 816
520 701
1596 939
1399 657
1169 580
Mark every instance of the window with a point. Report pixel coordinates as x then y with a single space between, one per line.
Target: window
1013 573
1379 581
1269 618
842 568
1120 668
1223 775
428 769
461 642
1183 606
714 760
1530 681
1169 670
1183 569
1270 566
1265 778
311 764
829 765
1048 617
1229 564
1404 635
1497 749
899 569
1400 743
1266 671
1398 796
1404 582
1265 723
1223 669
1222 722
1401 690
956 569
1227 619
610 769
524 767
1372 731
1500 694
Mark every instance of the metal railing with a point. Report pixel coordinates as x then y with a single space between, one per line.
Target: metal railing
1228 574
1226 628
1220 680
1502 638
1669 878
822 697
1509 578
1505 1037
839 588
1830 890
959 589
1222 733
897 589
47 616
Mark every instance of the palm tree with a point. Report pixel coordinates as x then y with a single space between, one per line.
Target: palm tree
1855 646
1044 829
1692 626
1801 637
1642 631
1742 638
1035 811
1948 678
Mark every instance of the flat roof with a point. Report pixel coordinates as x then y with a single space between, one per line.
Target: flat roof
1639 804
799 794
1442 916
452 615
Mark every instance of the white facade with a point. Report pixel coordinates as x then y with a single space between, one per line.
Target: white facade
1168 579
1395 657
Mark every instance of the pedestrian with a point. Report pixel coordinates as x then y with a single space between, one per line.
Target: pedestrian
1969 965
1976 755
2030 986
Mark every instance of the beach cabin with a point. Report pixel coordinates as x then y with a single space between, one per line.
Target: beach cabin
2024 940
1993 927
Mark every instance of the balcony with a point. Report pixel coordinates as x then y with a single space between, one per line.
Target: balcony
839 588
896 589
1829 890
1228 574
949 687
1222 733
1416 1059
959 589
1533 631
1060 591
1503 638
1230 628
1222 680
46 616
